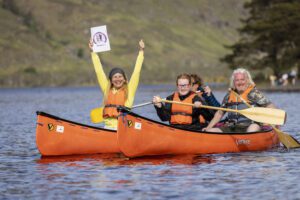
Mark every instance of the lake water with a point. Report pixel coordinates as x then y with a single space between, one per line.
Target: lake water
24 174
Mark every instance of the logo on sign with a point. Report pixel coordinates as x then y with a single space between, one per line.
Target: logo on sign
99 39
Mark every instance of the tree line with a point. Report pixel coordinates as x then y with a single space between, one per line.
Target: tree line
270 37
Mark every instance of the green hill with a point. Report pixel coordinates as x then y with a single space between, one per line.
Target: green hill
45 43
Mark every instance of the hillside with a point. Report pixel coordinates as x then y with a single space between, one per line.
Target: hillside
44 43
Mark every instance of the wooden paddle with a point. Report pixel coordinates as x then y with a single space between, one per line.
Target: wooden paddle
258 114
287 140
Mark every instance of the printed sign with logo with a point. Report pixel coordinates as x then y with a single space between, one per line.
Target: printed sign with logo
100 39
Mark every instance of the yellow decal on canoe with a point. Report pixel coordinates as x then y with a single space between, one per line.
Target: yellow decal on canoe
50 127
129 123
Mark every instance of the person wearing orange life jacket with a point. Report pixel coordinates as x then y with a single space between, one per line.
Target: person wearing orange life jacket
242 83
116 96
116 89
182 116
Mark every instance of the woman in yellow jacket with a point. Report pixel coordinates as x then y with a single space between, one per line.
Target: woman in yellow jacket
117 91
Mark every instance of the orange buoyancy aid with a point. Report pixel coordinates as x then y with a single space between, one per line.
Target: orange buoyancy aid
182 114
202 119
113 101
234 99
236 103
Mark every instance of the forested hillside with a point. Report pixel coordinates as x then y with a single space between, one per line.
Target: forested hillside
45 42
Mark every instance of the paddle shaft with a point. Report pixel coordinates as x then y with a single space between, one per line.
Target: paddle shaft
142 104
150 102
258 114
202 106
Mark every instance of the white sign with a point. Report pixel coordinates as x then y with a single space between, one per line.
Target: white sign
100 39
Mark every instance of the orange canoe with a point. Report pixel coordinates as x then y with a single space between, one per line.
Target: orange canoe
139 136
56 136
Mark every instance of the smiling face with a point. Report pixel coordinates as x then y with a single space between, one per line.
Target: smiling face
240 82
118 80
183 86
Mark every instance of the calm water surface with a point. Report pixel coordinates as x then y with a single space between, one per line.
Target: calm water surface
25 175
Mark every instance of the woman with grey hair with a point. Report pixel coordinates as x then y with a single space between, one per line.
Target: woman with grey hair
241 83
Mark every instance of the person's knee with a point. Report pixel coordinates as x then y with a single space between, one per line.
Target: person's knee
216 130
253 128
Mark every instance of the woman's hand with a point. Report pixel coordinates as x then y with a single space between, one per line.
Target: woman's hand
207 90
157 101
91 44
197 104
142 45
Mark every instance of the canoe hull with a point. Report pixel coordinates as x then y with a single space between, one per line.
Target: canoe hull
138 136
56 136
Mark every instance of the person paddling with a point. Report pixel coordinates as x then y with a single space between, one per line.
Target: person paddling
182 116
116 89
242 83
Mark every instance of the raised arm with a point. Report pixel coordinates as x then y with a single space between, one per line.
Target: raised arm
209 97
135 77
102 79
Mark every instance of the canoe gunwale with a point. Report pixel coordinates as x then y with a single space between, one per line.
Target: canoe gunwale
125 112
72 122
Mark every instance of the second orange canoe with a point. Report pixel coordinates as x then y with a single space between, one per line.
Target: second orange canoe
139 136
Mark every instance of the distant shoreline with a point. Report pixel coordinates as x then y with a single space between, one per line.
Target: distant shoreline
167 86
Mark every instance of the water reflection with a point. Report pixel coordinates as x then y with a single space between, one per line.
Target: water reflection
120 160
117 175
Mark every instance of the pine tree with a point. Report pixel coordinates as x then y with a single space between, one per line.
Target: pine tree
270 37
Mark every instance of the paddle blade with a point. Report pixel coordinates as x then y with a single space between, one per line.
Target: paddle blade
287 140
265 115
97 115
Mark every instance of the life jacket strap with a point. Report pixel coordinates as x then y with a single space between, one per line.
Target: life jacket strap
111 106
181 113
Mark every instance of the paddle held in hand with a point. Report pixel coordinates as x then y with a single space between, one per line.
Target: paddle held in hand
258 114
